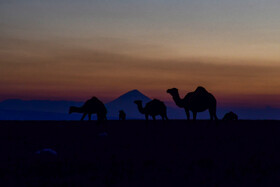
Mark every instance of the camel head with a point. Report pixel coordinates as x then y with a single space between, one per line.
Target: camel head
138 102
140 106
71 109
74 109
172 91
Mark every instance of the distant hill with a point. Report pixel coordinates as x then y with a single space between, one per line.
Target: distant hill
36 115
15 109
126 102
38 105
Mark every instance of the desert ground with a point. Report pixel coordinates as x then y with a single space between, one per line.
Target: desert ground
136 153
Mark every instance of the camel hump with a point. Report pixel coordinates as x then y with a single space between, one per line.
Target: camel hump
156 101
90 102
93 102
95 99
200 90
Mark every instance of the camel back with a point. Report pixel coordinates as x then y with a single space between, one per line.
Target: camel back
95 103
200 90
155 103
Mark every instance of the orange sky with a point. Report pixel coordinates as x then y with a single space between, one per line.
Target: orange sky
53 71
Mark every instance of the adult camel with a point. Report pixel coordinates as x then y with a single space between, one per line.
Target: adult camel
197 101
91 106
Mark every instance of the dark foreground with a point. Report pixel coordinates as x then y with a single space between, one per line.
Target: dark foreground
176 153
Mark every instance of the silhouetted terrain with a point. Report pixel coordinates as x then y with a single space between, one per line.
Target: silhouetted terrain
133 153
15 109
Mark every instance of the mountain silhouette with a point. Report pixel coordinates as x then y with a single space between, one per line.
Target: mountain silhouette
131 95
125 102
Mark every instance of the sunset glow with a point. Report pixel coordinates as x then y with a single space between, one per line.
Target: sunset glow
72 50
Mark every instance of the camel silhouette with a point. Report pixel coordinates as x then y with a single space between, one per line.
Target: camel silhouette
152 108
91 106
230 116
197 101
122 115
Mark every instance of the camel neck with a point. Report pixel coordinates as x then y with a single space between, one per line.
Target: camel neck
140 108
79 109
177 100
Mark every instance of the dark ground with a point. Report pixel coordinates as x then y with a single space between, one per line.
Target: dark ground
174 153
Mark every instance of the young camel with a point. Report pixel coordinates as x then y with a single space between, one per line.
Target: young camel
152 108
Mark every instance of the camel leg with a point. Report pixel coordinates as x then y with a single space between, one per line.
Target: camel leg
165 116
100 120
187 113
147 117
100 117
84 115
215 116
194 116
212 113
89 117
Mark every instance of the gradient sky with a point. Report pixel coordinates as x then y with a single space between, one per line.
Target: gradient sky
66 49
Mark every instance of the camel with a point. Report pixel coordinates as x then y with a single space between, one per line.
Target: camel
230 116
197 101
122 115
91 106
152 108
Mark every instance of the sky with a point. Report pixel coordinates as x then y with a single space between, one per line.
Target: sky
72 50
